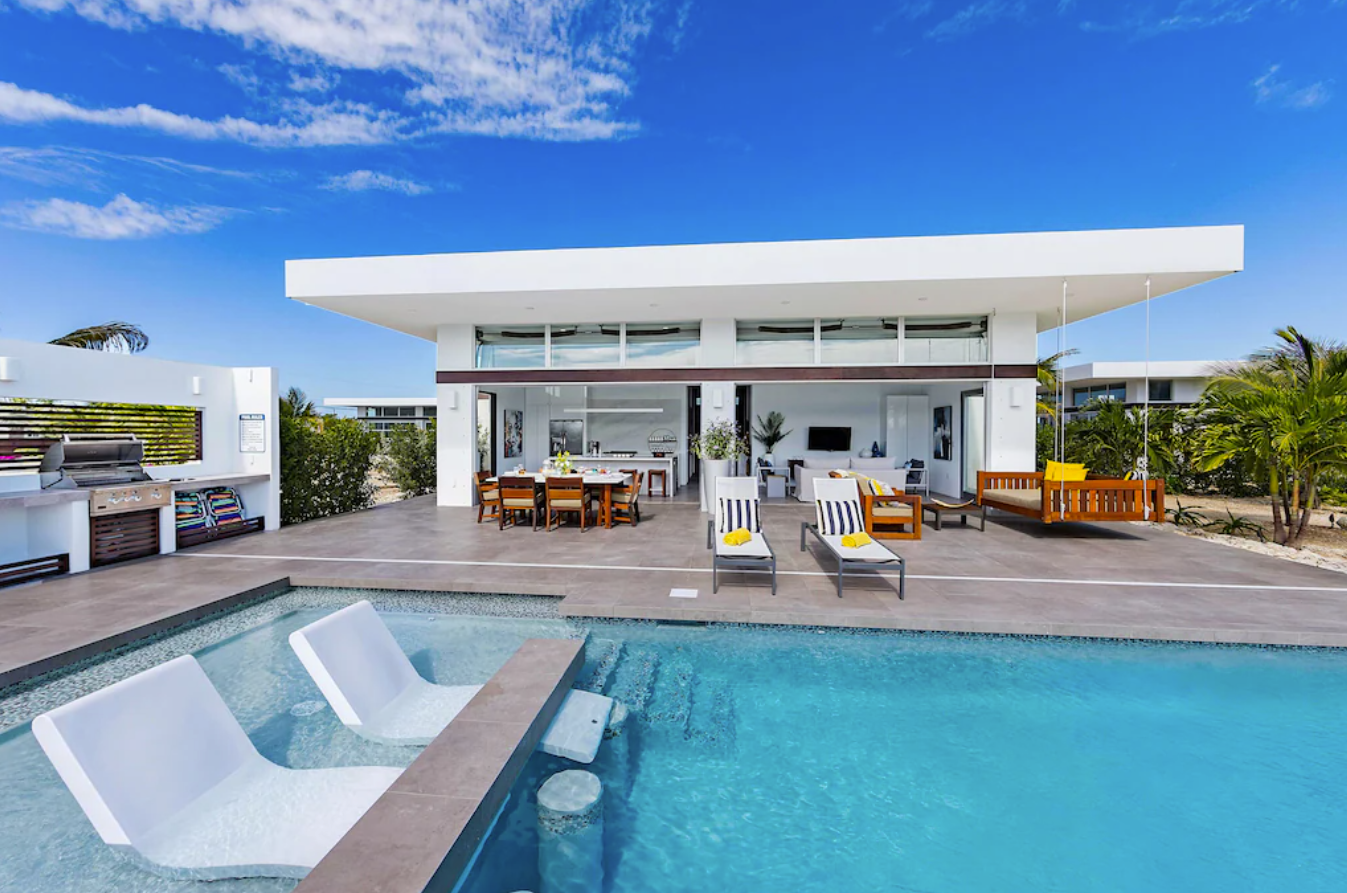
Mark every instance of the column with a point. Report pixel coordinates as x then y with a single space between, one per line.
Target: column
455 419
717 405
570 833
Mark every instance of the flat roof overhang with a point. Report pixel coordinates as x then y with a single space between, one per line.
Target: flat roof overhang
914 276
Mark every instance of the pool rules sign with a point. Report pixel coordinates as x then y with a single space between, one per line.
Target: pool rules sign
252 432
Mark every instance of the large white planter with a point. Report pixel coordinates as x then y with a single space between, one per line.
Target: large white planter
712 469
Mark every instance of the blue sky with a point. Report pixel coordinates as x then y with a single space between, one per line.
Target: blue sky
160 159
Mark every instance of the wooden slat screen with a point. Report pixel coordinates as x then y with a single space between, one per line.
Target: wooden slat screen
122 537
172 434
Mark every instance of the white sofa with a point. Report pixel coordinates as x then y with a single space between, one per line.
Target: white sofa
886 470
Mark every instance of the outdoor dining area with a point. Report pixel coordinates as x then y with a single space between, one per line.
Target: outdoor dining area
597 497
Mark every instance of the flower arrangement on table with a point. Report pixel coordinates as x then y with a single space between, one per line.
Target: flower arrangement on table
563 462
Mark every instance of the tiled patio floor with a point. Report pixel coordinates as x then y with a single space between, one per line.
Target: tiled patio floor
1123 581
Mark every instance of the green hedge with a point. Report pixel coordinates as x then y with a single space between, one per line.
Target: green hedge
325 465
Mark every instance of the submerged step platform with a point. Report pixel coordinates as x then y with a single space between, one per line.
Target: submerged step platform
577 730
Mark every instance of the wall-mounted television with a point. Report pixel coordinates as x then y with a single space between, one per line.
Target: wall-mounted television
829 440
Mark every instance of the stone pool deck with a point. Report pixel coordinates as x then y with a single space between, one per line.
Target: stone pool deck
1019 577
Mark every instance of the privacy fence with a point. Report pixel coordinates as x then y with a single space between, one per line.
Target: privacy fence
171 434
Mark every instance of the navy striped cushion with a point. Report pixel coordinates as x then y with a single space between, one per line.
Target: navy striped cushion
839 517
736 513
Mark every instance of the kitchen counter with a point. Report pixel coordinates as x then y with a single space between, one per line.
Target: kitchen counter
642 463
217 480
28 499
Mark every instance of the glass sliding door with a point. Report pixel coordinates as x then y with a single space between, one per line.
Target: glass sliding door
974 439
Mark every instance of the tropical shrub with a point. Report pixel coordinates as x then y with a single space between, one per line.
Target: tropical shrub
1282 417
409 459
325 465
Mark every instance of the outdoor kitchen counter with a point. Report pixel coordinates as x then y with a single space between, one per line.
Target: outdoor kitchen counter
29 499
216 480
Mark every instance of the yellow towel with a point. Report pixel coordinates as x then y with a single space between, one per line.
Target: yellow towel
738 537
856 540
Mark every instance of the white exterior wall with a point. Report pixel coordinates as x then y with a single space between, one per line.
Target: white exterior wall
44 371
456 420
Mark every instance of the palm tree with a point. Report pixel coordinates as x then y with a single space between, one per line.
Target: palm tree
297 405
115 336
1283 417
1049 378
1111 440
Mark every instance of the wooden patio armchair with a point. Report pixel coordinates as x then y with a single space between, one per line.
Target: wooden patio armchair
519 494
567 494
888 516
1094 499
488 498
627 499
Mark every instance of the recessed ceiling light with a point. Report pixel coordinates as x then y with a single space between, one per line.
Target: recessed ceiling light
921 299
785 302
529 308
654 305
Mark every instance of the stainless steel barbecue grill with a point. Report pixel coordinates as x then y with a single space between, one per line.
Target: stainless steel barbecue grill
109 467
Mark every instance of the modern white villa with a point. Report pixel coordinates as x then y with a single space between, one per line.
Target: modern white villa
382 414
1133 383
920 348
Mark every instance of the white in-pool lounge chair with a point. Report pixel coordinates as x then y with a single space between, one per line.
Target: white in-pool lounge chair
837 504
168 777
374 689
737 505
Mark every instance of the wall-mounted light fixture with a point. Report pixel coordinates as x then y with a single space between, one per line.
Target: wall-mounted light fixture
196 385
718 398
9 369
453 400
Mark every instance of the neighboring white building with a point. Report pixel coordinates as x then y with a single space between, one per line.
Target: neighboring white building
924 346
1167 383
382 413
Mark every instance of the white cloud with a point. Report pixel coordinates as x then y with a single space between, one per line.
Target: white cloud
552 69
304 124
90 167
121 218
976 15
317 82
364 181
1269 87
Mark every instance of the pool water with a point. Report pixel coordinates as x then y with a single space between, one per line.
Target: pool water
48 846
764 760
771 760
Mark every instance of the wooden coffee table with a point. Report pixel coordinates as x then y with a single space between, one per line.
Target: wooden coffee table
963 511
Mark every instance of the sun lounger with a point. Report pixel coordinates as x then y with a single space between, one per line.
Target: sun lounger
737 506
838 505
168 776
374 689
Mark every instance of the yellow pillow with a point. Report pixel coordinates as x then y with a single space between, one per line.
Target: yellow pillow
1065 471
856 540
738 537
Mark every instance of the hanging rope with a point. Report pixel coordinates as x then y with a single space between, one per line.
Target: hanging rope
1061 405
1146 415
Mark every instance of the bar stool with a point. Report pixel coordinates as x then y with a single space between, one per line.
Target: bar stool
662 474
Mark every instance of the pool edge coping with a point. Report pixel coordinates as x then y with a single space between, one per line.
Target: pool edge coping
425 830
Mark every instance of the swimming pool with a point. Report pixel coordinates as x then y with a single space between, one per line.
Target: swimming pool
770 760
766 759
46 843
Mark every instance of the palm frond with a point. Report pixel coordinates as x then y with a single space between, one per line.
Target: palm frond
114 336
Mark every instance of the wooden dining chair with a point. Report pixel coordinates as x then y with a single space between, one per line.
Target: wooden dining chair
519 494
488 497
567 494
627 500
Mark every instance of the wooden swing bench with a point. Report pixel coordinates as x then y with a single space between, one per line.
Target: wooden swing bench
1093 499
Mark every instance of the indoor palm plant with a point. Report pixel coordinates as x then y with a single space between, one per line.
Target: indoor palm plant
718 445
768 433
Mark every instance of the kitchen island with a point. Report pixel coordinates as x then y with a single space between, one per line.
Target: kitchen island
645 463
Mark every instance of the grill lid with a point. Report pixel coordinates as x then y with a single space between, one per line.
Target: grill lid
93 460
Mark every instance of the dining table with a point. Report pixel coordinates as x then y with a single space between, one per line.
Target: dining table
604 481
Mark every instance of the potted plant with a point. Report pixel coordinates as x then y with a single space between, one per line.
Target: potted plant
717 446
768 433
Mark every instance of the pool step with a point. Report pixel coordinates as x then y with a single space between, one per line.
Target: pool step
633 679
601 657
712 722
672 700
